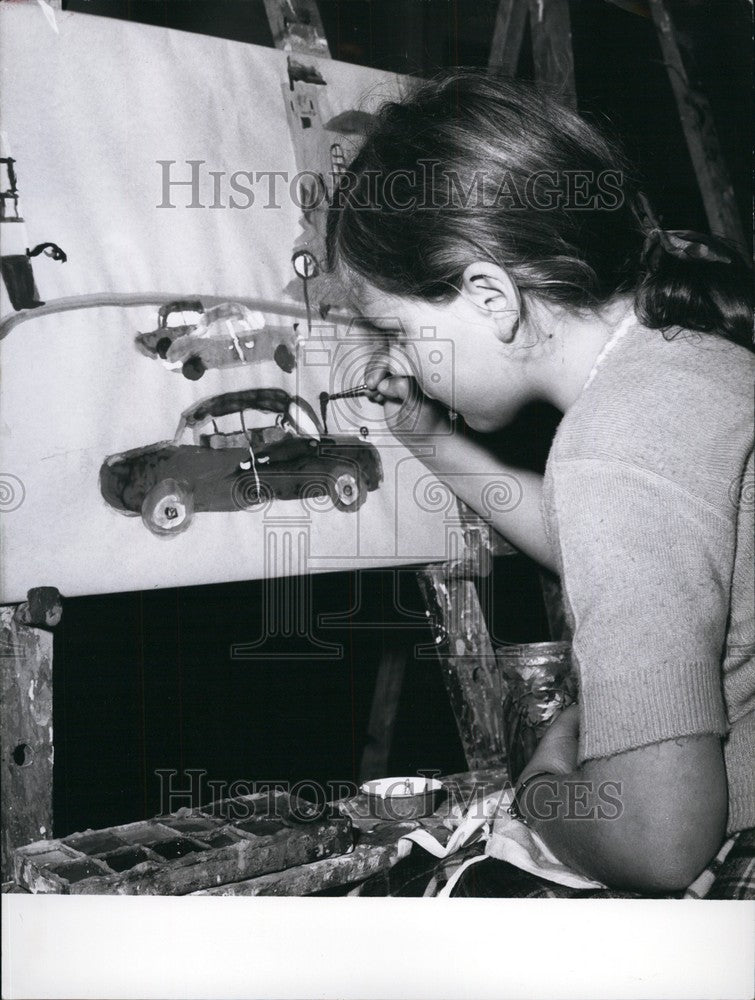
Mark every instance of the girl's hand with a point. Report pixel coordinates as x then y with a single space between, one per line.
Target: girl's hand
411 416
557 750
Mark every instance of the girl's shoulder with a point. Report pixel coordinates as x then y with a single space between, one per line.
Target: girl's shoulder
676 404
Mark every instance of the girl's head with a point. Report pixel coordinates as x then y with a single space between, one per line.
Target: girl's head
471 170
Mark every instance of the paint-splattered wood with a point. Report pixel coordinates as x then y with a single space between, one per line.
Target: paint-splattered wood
26 732
296 26
181 854
375 851
462 639
553 599
700 132
43 608
552 47
468 663
13 887
234 863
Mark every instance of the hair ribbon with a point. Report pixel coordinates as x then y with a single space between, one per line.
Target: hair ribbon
684 244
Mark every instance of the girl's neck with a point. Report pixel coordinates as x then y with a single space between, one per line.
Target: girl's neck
569 345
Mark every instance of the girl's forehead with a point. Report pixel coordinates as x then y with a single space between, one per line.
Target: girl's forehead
361 297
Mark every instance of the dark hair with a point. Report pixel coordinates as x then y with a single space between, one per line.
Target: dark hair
469 167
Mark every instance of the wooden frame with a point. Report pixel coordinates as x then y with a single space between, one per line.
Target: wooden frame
701 135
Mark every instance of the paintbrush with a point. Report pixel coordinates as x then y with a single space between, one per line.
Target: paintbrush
358 390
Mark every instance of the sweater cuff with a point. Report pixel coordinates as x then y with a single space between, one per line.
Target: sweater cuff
682 699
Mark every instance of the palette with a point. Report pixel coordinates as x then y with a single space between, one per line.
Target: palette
224 842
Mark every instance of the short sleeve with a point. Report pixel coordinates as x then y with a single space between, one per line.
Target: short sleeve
646 574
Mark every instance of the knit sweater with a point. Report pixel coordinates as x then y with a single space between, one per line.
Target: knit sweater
648 503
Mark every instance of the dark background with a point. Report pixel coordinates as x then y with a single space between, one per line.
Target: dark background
146 681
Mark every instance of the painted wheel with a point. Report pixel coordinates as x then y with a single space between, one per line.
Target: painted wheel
193 368
163 346
347 490
305 264
168 508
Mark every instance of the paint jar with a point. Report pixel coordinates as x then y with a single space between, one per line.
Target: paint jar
538 682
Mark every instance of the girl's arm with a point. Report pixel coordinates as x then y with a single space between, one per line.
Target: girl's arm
648 819
519 518
647 575
468 469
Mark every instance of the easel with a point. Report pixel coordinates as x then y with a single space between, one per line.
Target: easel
450 589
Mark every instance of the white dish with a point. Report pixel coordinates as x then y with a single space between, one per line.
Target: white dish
400 787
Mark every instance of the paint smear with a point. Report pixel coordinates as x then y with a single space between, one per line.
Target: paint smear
324 400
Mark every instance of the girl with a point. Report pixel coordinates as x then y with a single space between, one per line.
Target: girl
487 211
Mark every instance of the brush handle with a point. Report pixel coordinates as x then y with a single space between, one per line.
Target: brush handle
358 390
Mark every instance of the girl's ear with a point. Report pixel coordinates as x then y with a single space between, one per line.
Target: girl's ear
490 288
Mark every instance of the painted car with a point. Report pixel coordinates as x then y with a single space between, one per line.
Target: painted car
205 468
221 336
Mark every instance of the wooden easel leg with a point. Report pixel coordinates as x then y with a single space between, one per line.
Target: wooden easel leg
508 35
462 640
553 599
552 49
384 709
468 664
296 26
700 132
25 731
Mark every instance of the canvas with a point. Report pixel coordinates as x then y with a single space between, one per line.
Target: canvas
161 411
